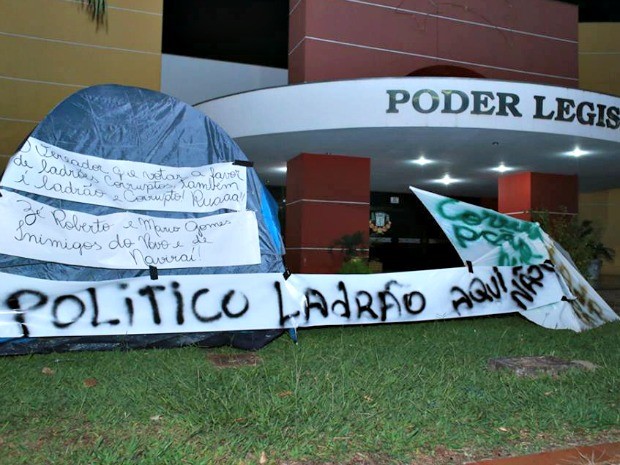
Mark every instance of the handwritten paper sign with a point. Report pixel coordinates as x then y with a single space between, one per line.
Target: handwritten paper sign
126 240
44 169
190 303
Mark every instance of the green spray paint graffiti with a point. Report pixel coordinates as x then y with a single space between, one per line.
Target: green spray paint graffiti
513 237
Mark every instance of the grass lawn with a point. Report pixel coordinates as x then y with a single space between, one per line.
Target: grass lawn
375 394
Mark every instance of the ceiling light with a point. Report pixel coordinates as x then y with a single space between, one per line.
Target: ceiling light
280 169
577 152
447 180
502 168
422 161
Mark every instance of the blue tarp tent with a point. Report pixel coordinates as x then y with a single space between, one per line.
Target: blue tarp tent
126 123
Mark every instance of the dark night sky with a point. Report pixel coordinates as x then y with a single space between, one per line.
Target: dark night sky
256 31
243 31
597 11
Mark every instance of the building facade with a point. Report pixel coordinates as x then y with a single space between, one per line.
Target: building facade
51 48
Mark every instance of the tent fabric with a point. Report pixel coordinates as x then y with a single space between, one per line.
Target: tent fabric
248 340
126 123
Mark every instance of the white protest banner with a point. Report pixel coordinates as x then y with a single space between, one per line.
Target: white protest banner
194 303
583 309
41 168
126 240
483 236
486 237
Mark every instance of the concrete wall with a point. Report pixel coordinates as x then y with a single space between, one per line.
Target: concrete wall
599 68
535 41
599 57
603 208
50 48
195 80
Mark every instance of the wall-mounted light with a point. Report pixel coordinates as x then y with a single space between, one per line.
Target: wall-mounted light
280 169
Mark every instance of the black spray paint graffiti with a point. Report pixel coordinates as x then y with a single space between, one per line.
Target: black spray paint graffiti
470 225
522 287
69 309
168 303
352 307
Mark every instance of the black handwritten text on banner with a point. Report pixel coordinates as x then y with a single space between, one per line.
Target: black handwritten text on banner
126 240
44 169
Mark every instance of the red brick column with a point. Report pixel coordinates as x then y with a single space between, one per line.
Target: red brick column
521 193
327 196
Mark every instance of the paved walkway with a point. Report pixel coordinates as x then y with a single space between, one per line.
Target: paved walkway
601 454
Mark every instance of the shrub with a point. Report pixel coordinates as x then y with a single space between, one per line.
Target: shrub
580 238
355 266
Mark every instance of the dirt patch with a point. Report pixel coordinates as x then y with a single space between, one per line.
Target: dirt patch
538 366
234 360
357 459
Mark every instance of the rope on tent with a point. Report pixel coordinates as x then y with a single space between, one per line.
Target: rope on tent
247 163
153 272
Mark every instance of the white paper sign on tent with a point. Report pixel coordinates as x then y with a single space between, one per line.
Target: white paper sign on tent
126 240
43 169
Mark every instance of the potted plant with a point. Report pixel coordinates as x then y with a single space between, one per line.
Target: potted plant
350 245
581 239
597 251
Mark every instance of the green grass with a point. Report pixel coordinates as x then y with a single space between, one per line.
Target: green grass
393 392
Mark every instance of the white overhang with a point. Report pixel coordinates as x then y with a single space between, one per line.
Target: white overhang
465 127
